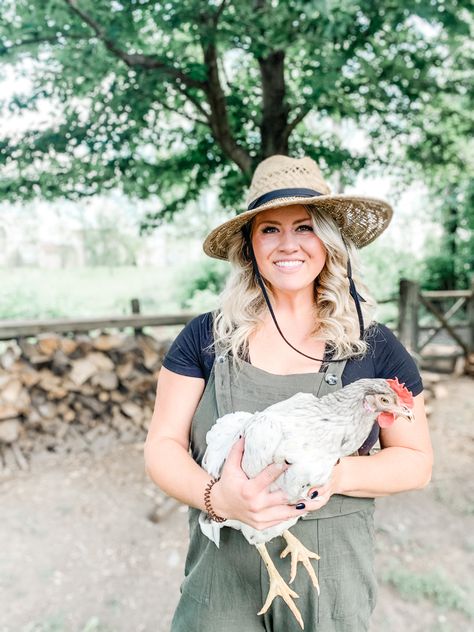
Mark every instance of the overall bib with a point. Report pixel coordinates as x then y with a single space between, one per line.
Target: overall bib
225 587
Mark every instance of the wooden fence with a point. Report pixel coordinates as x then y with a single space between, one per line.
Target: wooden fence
423 315
415 308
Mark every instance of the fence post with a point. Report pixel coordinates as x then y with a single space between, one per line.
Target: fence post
469 366
408 314
135 303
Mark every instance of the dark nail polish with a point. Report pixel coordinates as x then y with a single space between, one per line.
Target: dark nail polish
314 494
300 506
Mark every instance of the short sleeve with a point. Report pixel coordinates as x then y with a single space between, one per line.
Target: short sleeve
392 360
189 354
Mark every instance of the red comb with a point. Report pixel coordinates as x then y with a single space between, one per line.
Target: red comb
401 390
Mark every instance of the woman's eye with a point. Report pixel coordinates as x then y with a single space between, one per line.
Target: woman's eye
305 227
269 229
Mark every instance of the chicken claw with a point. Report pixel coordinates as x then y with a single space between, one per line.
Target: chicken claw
278 587
299 553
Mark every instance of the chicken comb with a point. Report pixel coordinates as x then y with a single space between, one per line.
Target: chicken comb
402 392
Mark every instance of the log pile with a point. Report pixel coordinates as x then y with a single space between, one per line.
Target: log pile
60 395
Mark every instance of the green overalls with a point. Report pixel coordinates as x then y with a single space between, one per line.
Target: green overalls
225 587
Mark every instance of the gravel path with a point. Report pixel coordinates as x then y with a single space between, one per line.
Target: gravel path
81 552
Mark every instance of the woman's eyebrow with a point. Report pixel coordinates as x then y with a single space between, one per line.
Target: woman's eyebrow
276 222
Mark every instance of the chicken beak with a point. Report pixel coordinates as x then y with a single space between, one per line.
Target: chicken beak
404 411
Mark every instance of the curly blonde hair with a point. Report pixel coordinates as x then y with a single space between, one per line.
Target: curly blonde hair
242 305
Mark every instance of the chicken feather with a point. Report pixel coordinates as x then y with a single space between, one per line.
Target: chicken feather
308 432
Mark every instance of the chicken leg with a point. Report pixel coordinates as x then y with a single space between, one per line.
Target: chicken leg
278 587
299 553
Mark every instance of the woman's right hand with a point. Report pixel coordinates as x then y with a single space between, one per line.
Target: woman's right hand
249 500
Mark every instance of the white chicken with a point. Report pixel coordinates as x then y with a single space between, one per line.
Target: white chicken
310 434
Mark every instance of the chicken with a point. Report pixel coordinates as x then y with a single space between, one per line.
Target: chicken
311 434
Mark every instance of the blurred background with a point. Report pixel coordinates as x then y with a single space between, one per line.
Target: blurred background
127 131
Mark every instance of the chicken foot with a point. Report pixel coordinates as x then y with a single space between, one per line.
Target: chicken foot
299 553
278 587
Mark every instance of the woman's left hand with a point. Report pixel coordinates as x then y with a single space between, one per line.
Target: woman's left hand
324 492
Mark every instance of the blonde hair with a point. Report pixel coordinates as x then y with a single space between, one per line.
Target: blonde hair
242 305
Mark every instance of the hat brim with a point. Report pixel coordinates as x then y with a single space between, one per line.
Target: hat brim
361 219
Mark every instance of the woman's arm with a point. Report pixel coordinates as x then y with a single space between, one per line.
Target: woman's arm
169 464
404 463
167 461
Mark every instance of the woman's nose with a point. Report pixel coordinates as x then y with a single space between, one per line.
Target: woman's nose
288 241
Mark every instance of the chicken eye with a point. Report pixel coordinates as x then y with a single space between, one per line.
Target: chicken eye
384 400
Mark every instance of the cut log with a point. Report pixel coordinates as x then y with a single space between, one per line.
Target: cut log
47 344
10 430
106 342
106 380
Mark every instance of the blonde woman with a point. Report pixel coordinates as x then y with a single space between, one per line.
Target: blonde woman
291 319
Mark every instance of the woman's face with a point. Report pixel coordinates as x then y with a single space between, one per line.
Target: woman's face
288 253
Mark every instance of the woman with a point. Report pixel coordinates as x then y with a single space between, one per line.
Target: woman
291 319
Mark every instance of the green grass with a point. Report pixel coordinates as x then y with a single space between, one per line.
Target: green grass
30 293
434 586
56 623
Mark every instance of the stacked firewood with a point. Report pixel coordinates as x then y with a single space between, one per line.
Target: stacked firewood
60 394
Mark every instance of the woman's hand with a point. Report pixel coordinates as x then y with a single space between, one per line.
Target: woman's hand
237 497
319 496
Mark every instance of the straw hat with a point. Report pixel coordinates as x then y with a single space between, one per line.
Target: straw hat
282 181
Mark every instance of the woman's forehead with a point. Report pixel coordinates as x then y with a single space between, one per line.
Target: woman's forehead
292 213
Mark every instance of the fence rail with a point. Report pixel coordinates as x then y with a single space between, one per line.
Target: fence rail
410 299
10 329
435 303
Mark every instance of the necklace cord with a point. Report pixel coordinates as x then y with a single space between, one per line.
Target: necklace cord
352 289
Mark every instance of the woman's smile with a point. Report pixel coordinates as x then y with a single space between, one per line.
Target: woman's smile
289 254
289 265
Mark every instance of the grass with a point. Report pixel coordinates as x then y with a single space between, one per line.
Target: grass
56 623
434 586
30 293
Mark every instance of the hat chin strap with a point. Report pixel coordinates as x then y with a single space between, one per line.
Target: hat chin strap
354 293
352 289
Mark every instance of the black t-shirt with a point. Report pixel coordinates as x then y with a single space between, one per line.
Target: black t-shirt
386 357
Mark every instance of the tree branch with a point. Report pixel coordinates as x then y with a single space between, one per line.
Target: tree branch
219 119
218 13
184 115
4 50
197 104
304 111
133 60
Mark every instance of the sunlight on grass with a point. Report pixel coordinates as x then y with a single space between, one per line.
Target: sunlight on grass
434 586
29 293
56 623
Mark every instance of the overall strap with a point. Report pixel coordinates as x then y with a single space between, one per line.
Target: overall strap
222 371
332 379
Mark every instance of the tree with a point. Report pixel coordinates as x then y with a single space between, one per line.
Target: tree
440 150
162 98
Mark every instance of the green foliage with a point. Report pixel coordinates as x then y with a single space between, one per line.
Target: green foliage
199 291
30 293
57 623
155 98
434 586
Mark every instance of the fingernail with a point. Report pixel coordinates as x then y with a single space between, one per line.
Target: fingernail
300 506
314 494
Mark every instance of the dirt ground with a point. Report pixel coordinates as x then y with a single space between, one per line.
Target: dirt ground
80 552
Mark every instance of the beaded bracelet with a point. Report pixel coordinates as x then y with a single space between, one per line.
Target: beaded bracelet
207 502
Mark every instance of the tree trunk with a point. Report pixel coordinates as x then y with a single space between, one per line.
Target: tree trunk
274 109
451 227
